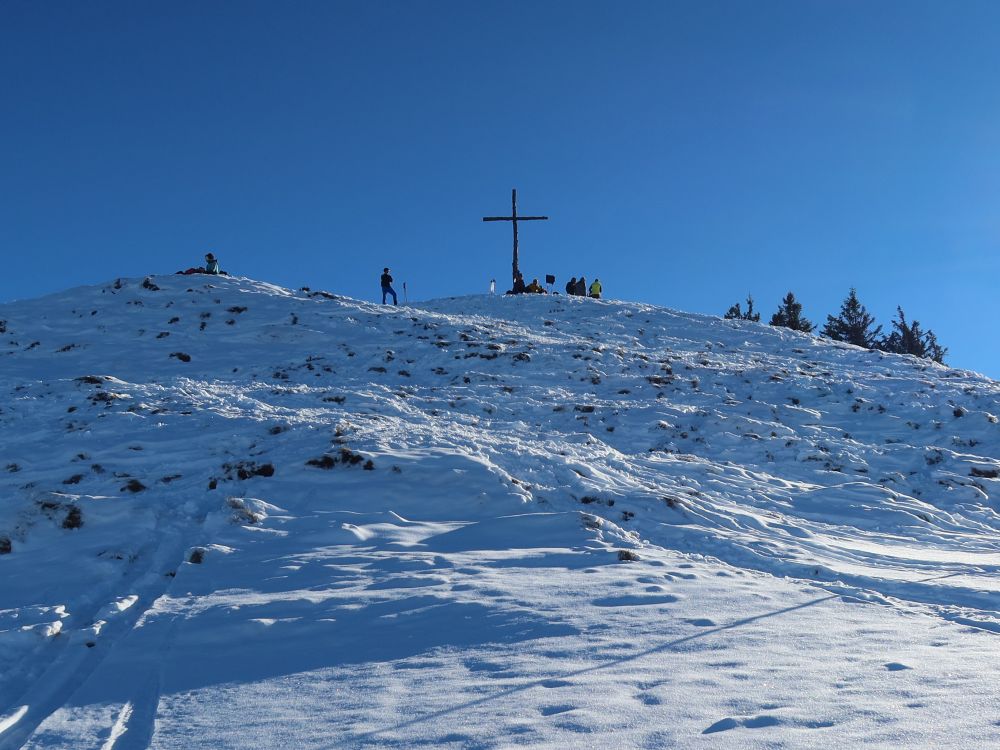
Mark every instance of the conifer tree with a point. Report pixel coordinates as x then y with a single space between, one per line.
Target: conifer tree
934 350
736 312
908 338
789 315
854 325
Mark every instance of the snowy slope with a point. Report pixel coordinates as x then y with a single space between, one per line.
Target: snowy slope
243 516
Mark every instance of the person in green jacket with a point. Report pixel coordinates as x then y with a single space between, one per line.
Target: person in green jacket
595 289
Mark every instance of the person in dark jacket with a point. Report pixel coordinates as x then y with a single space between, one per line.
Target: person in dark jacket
581 287
518 285
387 287
571 286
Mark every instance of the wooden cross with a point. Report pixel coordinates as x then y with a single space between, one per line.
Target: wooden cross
514 218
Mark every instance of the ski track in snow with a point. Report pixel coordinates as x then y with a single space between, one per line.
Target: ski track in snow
239 515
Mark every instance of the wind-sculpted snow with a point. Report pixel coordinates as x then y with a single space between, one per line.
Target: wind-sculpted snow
235 515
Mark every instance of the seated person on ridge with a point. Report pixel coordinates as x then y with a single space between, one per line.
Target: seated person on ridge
518 285
211 267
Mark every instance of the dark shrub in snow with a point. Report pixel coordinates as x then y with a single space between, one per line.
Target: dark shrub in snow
74 519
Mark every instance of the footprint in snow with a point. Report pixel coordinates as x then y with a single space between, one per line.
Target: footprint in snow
761 721
685 576
757 722
895 666
701 622
722 725
481 665
634 601
553 710
556 683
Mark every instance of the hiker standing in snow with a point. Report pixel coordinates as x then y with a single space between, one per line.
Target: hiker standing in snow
571 286
581 287
387 287
595 289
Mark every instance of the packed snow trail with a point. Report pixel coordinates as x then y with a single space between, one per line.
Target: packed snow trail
238 515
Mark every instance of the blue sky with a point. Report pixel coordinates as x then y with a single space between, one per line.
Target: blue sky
686 152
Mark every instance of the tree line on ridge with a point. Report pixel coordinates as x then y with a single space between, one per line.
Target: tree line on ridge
853 325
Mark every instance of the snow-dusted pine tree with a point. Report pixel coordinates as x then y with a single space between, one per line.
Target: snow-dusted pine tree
789 315
854 325
908 338
736 312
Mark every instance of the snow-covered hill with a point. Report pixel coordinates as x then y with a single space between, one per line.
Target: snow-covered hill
238 516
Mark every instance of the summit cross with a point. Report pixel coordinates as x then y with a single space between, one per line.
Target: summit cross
514 218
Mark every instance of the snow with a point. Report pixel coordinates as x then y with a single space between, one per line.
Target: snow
245 516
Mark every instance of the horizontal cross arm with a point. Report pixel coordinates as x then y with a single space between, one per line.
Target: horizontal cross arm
519 218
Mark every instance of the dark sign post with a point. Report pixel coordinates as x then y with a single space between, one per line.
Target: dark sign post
514 218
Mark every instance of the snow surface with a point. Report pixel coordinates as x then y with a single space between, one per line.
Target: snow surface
240 516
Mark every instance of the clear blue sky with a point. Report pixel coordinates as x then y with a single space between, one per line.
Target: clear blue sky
686 152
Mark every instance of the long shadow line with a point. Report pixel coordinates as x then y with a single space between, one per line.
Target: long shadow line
606 665
615 662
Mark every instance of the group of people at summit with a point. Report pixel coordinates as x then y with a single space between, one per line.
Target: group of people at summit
574 287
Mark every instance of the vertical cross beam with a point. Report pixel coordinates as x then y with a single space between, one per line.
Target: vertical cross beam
513 214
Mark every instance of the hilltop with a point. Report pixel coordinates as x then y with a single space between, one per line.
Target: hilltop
235 515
